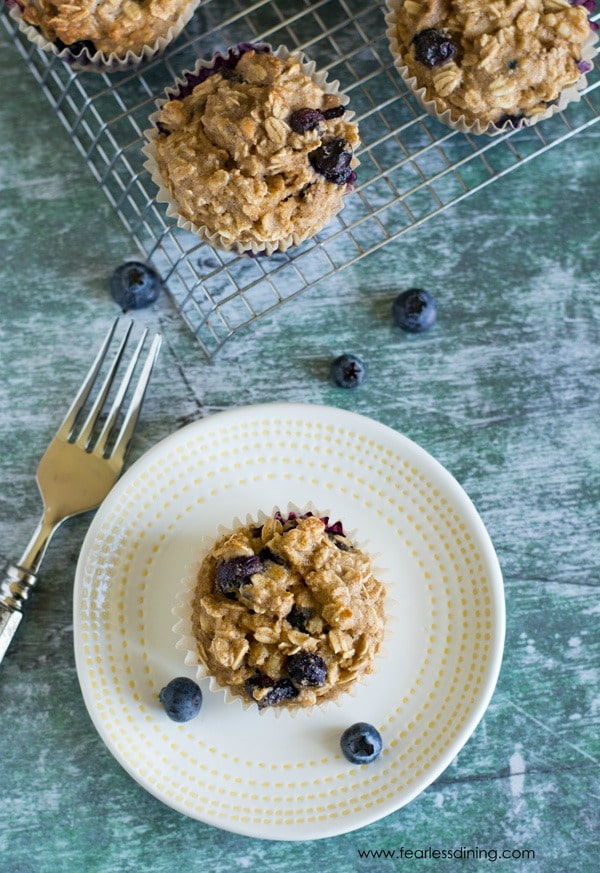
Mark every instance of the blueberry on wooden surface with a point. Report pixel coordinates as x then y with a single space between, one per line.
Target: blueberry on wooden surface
307 669
361 743
433 48
347 371
134 285
415 310
181 698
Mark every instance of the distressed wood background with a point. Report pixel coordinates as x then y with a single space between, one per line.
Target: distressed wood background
504 392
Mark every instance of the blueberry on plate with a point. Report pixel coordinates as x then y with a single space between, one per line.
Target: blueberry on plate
347 371
181 698
134 285
361 743
415 310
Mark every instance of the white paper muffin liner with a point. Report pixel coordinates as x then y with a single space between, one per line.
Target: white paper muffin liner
570 94
164 195
183 628
102 62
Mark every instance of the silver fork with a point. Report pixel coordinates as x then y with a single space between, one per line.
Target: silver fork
80 465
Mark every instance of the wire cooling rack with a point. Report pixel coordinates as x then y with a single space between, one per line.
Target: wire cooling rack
411 169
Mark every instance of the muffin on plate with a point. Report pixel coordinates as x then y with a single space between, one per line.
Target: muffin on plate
253 150
106 36
483 66
286 613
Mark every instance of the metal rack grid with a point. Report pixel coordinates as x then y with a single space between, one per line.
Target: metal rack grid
411 169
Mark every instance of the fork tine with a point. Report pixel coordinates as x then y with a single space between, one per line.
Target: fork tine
66 427
119 397
84 435
131 416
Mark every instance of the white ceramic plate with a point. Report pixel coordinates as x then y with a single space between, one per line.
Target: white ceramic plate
282 777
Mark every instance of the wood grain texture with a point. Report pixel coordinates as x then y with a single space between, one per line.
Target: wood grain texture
503 391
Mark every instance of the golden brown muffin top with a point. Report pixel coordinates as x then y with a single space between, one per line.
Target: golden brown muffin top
111 25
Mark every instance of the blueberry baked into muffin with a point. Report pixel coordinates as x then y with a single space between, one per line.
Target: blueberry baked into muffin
287 613
491 63
82 28
253 152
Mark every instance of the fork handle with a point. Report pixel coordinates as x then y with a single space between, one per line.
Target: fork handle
15 587
18 581
14 591
9 622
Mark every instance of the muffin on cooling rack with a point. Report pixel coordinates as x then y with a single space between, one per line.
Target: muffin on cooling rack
107 36
253 150
284 613
484 66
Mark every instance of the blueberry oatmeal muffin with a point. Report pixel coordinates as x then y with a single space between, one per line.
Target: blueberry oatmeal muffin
108 31
253 151
488 65
287 613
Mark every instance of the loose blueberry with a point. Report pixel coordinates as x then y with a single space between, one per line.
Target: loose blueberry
134 285
361 743
181 698
231 575
415 310
347 371
433 48
279 691
306 119
332 160
307 669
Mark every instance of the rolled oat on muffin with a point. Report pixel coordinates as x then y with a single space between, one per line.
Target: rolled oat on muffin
484 66
103 36
286 613
253 150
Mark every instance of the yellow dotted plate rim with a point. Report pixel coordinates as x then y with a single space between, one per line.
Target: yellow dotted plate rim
357 462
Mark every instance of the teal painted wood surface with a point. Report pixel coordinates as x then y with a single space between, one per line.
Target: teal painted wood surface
504 392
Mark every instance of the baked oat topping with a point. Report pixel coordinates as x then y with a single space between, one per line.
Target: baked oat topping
235 152
300 619
110 25
500 59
